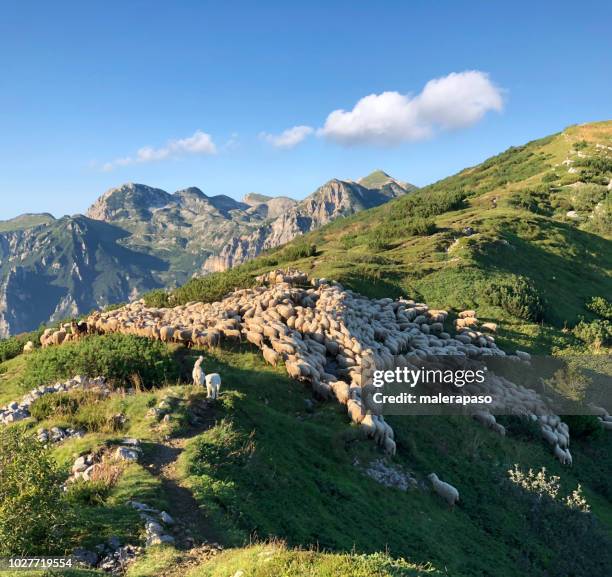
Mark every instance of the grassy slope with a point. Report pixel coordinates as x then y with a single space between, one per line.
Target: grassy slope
271 469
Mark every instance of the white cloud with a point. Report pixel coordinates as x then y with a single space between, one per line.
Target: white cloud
288 138
199 143
451 102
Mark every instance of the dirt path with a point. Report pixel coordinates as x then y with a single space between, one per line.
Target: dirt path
192 528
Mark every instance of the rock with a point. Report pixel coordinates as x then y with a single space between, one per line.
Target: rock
126 454
80 464
85 556
166 518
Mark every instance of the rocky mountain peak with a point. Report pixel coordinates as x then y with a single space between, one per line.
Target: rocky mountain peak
127 200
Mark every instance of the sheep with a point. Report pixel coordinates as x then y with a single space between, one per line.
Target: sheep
467 314
368 426
549 436
564 457
485 418
270 355
390 447
341 390
355 410
28 347
213 385
58 337
198 375
256 339
499 429
444 490
45 338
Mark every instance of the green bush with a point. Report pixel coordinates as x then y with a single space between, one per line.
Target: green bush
536 200
32 509
79 410
587 196
212 287
158 298
13 346
517 296
596 333
583 426
124 360
296 251
601 306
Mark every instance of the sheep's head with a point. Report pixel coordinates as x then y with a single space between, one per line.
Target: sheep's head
432 477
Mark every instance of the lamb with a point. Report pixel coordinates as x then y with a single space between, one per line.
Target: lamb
28 347
198 375
444 490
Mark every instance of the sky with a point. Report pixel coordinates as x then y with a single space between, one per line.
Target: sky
278 97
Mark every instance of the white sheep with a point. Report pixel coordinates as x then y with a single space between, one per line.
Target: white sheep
390 446
444 490
564 457
28 347
606 425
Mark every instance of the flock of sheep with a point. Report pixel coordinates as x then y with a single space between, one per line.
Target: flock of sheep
326 335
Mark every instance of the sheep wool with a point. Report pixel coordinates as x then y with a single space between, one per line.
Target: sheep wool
444 490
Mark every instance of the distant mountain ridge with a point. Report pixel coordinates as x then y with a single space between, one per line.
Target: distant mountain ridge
135 238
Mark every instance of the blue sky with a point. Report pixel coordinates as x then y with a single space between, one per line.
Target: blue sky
86 85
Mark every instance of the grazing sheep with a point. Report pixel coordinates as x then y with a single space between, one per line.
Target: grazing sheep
270 356
564 457
390 447
28 347
444 490
198 375
467 314
341 390
607 425
499 429
58 337
355 410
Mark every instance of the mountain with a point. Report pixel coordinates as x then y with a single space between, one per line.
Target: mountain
336 198
135 238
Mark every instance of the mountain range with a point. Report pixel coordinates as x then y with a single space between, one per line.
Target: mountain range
135 238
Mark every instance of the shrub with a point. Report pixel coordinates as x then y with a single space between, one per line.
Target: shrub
596 333
587 196
296 251
533 200
122 359
517 296
583 426
78 409
32 508
13 346
158 298
601 306
212 287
